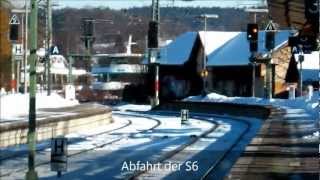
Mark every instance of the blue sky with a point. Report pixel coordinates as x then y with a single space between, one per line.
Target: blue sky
119 4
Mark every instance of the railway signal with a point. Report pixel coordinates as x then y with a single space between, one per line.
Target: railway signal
252 36
153 34
270 36
252 32
14 28
88 32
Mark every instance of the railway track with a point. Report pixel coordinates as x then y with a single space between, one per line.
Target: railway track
204 115
213 165
129 123
70 142
278 149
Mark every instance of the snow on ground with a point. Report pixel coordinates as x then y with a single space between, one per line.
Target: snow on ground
311 106
13 106
300 107
131 107
146 145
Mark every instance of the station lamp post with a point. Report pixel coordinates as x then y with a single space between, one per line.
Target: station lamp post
204 72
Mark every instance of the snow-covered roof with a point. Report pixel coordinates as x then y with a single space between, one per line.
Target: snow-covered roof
310 66
178 51
215 39
222 48
236 51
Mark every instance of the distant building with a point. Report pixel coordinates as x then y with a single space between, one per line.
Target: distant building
227 60
310 69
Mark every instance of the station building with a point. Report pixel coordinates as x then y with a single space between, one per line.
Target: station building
227 60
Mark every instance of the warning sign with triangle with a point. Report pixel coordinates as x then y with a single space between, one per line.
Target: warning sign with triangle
14 19
271 27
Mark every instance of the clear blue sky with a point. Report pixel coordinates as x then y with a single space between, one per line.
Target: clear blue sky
119 4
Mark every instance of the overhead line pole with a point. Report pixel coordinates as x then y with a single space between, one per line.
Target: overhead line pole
153 51
31 173
26 47
49 44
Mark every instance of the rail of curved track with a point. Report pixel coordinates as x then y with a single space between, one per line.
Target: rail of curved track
129 123
202 116
22 153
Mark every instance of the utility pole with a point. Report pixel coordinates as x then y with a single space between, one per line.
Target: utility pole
252 57
156 11
26 47
14 38
70 78
13 78
49 44
32 174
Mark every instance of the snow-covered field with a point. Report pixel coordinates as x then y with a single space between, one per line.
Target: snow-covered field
15 106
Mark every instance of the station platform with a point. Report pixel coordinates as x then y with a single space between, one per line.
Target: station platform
286 147
55 122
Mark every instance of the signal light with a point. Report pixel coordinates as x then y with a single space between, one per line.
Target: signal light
153 35
14 32
87 27
269 40
252 32
204 73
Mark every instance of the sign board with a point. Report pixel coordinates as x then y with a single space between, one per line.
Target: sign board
17 49
14 20
271 27
59 154
18 58
54 50
184 116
